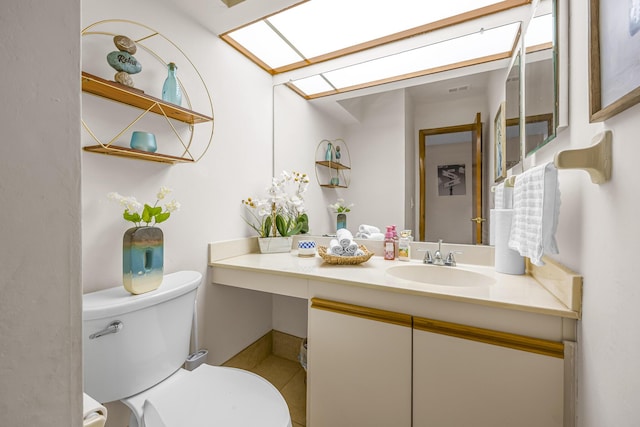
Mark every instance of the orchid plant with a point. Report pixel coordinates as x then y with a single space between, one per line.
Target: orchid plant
282 212
139 213
341 207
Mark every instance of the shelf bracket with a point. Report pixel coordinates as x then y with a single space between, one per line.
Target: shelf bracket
595 160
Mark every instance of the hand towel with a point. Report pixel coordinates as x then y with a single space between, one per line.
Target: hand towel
368 229
351 249
498 196
344 236
335 248
372 236
503 197
536 205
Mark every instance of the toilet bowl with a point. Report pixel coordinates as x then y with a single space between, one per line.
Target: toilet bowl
134 347
211 396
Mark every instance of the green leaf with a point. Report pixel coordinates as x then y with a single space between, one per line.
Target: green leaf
162 217
281 225
304 220
146 213
266 226
133 217
296 229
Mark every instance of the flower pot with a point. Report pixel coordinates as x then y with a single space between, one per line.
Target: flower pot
272 245
142 259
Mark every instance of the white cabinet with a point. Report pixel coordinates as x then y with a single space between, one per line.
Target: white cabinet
465 376
370 367
359 366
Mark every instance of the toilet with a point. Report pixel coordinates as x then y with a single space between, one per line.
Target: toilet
134 347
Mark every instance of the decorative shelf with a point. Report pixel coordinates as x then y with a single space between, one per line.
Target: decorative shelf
137 154
98 38
332 165
120 93
334 171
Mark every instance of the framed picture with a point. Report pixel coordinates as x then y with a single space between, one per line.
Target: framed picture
452 180
614 46
499 146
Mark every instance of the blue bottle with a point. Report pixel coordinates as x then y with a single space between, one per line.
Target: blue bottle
328 155
171 91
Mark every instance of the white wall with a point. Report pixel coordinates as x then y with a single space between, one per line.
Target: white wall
40 286
299 128
597 237
377 146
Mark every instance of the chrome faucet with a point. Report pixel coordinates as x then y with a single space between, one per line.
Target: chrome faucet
437 256
427 257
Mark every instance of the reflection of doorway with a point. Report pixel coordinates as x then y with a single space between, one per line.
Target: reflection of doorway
451 183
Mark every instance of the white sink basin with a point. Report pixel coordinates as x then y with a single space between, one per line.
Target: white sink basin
439 275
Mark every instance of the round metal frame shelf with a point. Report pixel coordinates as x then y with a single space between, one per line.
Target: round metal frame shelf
146 103
338 170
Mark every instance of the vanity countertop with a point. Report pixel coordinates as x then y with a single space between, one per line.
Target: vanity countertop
523 293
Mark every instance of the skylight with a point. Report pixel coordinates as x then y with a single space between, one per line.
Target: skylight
319 30
420 37
484 46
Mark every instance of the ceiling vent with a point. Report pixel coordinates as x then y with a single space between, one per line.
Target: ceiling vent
459 89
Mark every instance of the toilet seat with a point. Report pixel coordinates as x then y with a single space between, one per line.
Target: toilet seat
212 396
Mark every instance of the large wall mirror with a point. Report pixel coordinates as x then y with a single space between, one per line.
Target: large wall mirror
540 83
382 128
513 112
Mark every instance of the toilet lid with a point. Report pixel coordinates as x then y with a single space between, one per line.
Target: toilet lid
217 396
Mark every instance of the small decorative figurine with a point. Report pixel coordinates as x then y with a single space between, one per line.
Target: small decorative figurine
123 61
338 155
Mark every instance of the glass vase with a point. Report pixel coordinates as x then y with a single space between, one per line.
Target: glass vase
142 259
171 91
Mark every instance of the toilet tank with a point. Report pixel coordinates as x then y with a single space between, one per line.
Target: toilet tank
151 344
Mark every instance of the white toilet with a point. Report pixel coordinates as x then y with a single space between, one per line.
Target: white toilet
134 347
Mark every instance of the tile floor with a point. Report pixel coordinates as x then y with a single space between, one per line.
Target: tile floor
275 358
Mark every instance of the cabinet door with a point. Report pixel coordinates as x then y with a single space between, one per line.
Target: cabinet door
475 377
359 366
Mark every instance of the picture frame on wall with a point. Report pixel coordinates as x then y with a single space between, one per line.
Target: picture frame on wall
452 180
614 46
499 145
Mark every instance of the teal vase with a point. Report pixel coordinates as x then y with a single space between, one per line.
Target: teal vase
142 259
341 221
171 91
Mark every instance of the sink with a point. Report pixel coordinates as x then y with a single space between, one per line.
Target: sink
439 275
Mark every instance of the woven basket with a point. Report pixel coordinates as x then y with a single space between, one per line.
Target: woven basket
344 260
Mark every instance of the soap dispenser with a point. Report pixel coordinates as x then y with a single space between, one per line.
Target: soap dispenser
389 244
404 246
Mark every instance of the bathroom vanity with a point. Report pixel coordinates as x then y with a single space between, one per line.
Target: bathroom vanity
468 347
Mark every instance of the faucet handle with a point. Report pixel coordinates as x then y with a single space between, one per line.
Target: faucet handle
427 256
451 259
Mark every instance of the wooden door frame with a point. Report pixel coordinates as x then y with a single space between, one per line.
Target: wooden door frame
476 129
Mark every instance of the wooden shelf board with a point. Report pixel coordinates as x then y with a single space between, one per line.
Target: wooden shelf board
332 165
333 186
120 93
136 154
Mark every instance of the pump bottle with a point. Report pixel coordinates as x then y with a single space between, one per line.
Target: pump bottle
389 244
